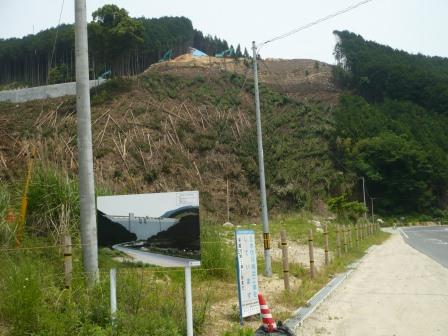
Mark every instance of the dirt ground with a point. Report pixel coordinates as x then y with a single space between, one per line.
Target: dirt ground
396 290
224 314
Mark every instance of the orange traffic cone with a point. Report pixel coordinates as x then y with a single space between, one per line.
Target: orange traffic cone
268 321
11 216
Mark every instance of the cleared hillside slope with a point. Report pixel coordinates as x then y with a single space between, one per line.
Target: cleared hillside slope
188 129
300 79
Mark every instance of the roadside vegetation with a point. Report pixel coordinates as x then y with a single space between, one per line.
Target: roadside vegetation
150 299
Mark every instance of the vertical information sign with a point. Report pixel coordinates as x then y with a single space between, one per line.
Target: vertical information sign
247 273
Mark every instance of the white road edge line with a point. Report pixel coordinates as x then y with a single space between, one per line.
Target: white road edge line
403 233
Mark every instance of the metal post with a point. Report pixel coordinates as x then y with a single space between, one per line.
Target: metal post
284 243
86 182
327 259
188 301
113 293
264 207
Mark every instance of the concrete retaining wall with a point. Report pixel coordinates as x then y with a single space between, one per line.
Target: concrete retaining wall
44 92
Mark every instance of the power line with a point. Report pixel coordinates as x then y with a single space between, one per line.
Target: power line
313 23
55 39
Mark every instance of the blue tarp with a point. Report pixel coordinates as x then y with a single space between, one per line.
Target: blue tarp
197 53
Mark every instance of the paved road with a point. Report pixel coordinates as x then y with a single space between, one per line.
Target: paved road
432 241
155 258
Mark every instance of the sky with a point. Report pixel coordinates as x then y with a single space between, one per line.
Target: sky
416 26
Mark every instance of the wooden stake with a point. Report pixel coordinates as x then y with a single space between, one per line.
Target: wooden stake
67 261
327 259
357 235
344 233
338 240
284 243
310 244
350 240
228 202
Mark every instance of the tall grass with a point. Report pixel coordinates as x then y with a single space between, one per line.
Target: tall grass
216 254
34 301
7 230
53 203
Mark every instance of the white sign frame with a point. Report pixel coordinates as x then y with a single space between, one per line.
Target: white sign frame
247 276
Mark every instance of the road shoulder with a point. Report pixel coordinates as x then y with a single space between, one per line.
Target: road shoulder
391 291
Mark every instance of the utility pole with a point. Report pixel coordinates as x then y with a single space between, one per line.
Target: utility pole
86 182
364 195
264 207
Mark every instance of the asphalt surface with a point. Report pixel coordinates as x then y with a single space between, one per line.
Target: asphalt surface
155 258
432 241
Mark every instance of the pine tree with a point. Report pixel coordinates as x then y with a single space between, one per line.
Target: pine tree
238 51
246 54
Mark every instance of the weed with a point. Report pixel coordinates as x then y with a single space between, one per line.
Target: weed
216 254
6 229
239 331
150 175
108 90
50 196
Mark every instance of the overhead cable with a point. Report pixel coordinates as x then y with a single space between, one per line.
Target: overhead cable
313 23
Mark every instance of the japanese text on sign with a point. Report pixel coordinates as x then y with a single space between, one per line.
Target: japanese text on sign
247 273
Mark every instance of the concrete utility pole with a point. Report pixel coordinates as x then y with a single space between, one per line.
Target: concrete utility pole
264 207
86 183
364 195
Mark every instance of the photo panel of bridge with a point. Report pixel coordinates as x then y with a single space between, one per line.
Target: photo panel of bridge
159 228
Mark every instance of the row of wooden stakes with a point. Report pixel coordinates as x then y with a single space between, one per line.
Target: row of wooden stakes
344 241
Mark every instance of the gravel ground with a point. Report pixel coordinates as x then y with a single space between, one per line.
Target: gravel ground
396 290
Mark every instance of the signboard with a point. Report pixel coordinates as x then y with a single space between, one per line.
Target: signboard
247 273
159 229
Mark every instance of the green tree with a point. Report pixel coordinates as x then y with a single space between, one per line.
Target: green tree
115 36
398 170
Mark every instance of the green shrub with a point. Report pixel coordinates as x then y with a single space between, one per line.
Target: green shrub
346 210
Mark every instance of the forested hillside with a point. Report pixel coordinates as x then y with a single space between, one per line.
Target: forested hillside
391 127
117 42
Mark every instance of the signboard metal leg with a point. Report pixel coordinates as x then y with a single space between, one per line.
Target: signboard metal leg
188 301
113 293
